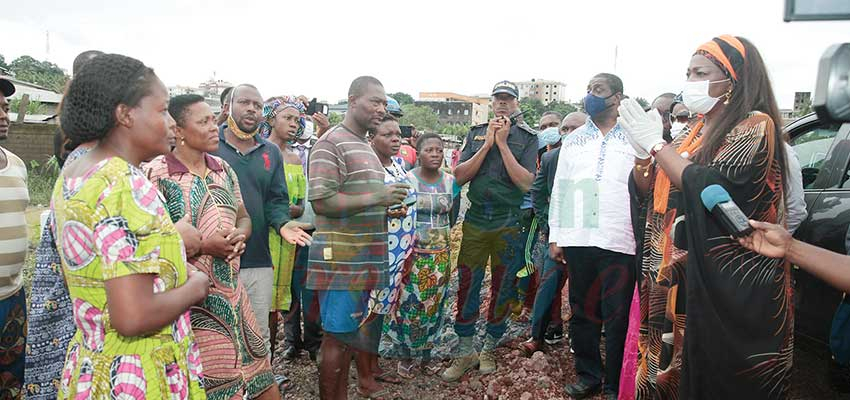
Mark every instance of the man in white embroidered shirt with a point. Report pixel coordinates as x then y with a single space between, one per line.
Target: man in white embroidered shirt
590 220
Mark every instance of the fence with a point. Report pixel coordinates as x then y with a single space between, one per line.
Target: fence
30 141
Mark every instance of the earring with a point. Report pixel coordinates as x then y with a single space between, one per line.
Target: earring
728 95
182 141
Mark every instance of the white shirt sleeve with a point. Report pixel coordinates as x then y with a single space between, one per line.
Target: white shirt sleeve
796 200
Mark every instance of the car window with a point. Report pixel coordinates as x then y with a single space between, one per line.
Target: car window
811 148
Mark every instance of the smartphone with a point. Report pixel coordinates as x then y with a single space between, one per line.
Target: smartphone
406 131
408 201
316 107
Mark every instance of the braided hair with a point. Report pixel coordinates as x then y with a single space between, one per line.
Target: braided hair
88 108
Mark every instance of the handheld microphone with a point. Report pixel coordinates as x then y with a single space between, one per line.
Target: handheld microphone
718 202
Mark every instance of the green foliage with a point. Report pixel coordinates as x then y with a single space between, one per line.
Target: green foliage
422 117
643 102
457 130
334 118
534 109
402 98
40 180
43 73
3 62
34 107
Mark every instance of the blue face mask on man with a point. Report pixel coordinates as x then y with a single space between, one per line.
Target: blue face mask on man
594 105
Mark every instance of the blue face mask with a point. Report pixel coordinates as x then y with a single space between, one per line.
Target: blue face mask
548 137
593 105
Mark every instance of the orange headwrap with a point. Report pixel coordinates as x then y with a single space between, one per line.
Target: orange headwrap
727 52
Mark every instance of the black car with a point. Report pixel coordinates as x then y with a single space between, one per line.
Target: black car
823 150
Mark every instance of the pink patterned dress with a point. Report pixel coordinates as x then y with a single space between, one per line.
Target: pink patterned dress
236 362
111 223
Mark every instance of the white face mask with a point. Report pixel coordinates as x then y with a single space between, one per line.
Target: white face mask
676 128
695 96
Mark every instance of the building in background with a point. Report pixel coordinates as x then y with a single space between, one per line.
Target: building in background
544 90
210 89
453 108
802 103
48 101
339 108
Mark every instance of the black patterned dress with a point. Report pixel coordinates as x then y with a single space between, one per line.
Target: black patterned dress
716 319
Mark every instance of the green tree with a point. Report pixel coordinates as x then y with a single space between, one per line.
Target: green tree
402 98
3 62
532 110
42 73
34 107
561 107
456 130
334 118
643 102
422 117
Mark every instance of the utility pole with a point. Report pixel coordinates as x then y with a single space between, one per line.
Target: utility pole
615 58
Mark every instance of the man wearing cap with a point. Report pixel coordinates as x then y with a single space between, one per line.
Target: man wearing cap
13 249
498 161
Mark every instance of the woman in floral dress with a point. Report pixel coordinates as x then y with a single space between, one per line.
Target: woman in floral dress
386 140
121 255
417 324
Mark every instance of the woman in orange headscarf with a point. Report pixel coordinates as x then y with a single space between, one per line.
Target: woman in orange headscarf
716 319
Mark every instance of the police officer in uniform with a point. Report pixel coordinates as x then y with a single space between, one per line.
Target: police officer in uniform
498 161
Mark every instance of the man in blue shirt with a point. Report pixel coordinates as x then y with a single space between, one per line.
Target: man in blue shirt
259 166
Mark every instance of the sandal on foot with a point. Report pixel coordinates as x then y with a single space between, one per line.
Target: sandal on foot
380 394
405 372
283 383
389 377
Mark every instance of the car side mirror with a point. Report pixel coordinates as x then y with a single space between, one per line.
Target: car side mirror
832 90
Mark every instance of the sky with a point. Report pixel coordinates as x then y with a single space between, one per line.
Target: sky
463 46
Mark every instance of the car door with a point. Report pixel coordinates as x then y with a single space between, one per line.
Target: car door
824 153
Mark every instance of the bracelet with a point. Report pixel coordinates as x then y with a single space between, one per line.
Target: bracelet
643 168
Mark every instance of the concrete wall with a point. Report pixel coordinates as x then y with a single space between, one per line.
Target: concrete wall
30 141
450 112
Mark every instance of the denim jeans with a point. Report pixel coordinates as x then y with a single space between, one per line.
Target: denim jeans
305 306
547 304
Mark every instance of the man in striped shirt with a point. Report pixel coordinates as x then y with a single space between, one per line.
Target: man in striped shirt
13 249
348 257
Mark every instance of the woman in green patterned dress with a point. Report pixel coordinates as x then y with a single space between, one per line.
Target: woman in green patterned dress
417 324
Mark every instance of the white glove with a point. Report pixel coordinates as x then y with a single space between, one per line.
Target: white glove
644 129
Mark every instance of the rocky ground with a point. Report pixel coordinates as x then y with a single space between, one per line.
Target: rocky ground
541 377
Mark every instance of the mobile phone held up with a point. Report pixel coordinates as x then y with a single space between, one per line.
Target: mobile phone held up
406 131
316 107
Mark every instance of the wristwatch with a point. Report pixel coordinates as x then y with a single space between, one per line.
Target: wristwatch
656 148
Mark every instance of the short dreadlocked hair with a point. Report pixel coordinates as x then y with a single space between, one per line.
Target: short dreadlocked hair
88 108
178 105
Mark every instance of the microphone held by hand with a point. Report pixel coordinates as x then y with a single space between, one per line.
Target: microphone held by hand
721 206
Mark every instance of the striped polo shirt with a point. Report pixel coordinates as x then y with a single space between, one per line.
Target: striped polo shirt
13 223
349 252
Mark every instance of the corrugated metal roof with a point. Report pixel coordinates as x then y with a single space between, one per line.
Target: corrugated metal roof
36 92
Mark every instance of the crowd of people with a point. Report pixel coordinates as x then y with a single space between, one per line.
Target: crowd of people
177 239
